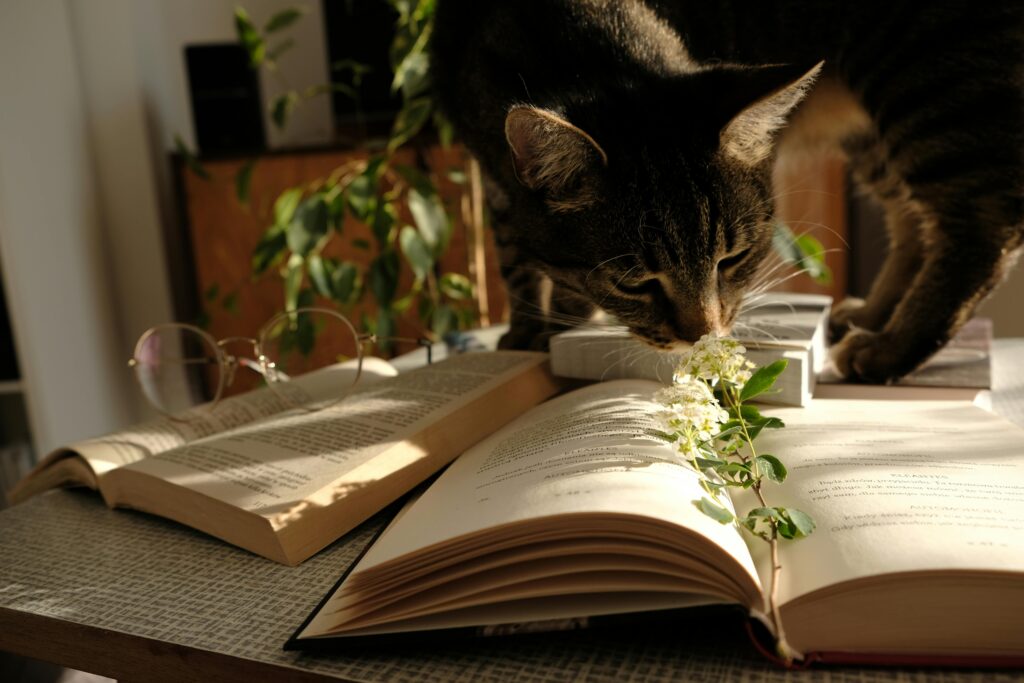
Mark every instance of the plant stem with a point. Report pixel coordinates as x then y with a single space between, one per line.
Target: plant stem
782 646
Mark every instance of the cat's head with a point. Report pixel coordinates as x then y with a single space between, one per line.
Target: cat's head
655 203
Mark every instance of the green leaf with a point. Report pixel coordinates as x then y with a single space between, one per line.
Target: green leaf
212 292
804 252
405 303
309 225
243 181
282 108
457 176
230 303
283 19
758 522
345 283
770 423
729 431
383 223
358 69
431 219
762 379
190 159
708 463
412 76
772 468
445 129
385 323
385 328
293 281
456 286
284 207
320 270
416 252
747 413
383 276
360 243
812 259
409 122
800 524
714 511
269 250
443 320
249 37
279 49
362 196
417 179
361 193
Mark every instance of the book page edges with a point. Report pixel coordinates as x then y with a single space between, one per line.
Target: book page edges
63 467
138 491
337 508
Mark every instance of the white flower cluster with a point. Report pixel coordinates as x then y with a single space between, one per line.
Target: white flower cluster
717 359
691 411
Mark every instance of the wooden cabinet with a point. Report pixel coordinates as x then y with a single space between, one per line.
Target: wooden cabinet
218 235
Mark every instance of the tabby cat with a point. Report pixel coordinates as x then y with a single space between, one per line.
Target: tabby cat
628 147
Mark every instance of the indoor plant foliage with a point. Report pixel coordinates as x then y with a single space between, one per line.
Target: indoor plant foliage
375 191
706 417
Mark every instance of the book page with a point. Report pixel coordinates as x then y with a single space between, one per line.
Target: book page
162 434
278 463
896 486
591 451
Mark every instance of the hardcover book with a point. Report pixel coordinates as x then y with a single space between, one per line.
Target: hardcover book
578 510
776 325
284 482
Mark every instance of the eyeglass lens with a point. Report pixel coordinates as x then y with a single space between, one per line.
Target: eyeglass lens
177 367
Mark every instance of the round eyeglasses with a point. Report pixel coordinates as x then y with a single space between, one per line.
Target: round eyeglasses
172 360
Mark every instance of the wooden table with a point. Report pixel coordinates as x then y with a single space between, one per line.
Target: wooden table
135 597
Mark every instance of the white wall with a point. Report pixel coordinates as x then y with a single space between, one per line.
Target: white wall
163 29
91 97
52 247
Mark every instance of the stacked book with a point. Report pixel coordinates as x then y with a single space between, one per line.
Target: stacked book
779 325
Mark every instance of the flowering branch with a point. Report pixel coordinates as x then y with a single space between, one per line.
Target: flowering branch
706 415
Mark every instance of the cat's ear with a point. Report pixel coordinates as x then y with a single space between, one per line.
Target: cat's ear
553 156
755 102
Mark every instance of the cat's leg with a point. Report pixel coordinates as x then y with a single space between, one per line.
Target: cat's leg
955 277
893 280
965 189
872 169
523 281
527 324
539 309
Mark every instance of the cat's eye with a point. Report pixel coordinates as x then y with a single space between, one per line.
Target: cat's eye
647 287
730 262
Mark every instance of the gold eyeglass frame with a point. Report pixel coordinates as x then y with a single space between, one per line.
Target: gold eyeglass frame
260 363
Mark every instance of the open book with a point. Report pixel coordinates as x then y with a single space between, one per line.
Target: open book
775 325
283 482
577 510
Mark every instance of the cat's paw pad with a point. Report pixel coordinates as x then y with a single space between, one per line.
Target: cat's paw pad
867 356
845 316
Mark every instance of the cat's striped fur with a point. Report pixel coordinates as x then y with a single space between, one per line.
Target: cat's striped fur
628 147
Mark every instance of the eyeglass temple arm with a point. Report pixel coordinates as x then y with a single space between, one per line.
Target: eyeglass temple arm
419 341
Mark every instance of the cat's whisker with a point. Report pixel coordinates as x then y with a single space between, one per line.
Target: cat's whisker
621 278
586 279
822 226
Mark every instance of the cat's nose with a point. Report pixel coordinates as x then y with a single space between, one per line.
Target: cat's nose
694 319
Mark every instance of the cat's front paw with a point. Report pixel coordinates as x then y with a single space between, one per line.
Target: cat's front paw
845 317
866 356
